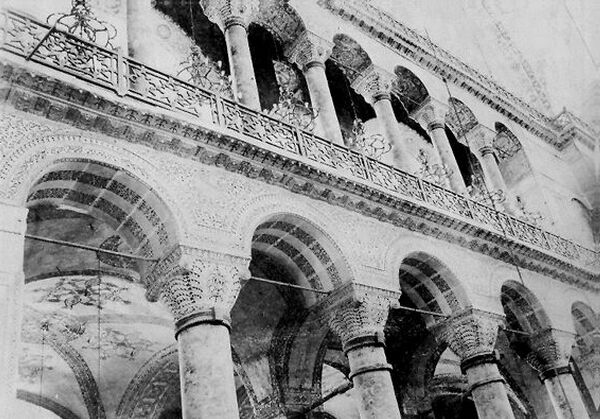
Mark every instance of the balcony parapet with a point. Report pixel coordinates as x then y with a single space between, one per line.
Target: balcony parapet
25 37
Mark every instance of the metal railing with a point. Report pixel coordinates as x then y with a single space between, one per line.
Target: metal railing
38 42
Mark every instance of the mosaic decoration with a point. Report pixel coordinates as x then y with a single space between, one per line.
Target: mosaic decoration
291 107
374 145
409 88
80 21
204 73
349 54
506 144
436 173
110 342
460 118
71 292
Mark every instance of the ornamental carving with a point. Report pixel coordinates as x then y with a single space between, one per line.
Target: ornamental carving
471 332
550 348
309 48
373 84
191 280
227 12
357 310
432 112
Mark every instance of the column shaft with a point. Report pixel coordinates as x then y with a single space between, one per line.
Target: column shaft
385 114
206 373
489 392
372 381
12 230
240 63
442 144
494 179
565 397
320 97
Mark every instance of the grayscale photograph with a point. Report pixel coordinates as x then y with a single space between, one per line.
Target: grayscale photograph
299 209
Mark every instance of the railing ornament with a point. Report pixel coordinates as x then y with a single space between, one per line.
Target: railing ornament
28 38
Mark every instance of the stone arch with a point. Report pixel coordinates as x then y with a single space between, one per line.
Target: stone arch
36 156
47 403
281 19
506 144
409 89
522 308
460 118
350 55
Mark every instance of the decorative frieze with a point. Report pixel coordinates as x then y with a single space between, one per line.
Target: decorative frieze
355 312
309 49
230 12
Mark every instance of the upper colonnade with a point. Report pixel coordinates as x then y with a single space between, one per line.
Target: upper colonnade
209 192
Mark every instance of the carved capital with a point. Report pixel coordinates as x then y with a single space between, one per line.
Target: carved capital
356 312
432 114
550 349
374 84
226 13
481 139
471 333
198 283
309 49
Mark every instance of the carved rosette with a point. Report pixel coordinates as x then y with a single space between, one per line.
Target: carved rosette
226 13
198 282
432 114
357 311
309 49
550 349
471 333
374 84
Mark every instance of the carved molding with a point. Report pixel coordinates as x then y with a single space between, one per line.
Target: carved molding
309 49
356 311
374 83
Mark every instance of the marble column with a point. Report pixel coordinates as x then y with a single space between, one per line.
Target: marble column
233 17
482 140
357 314
310 52
432 115
472 334
550 355
201 289
375 85
13 223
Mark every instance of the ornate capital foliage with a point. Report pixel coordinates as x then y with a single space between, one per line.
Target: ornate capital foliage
481 139
193 281
230 12
374 84
356 311
471 332
432 114
550 348
309 49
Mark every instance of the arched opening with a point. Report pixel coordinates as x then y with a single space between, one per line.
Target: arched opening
348 59
468 164
277 338
586 355
87 325
427 285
